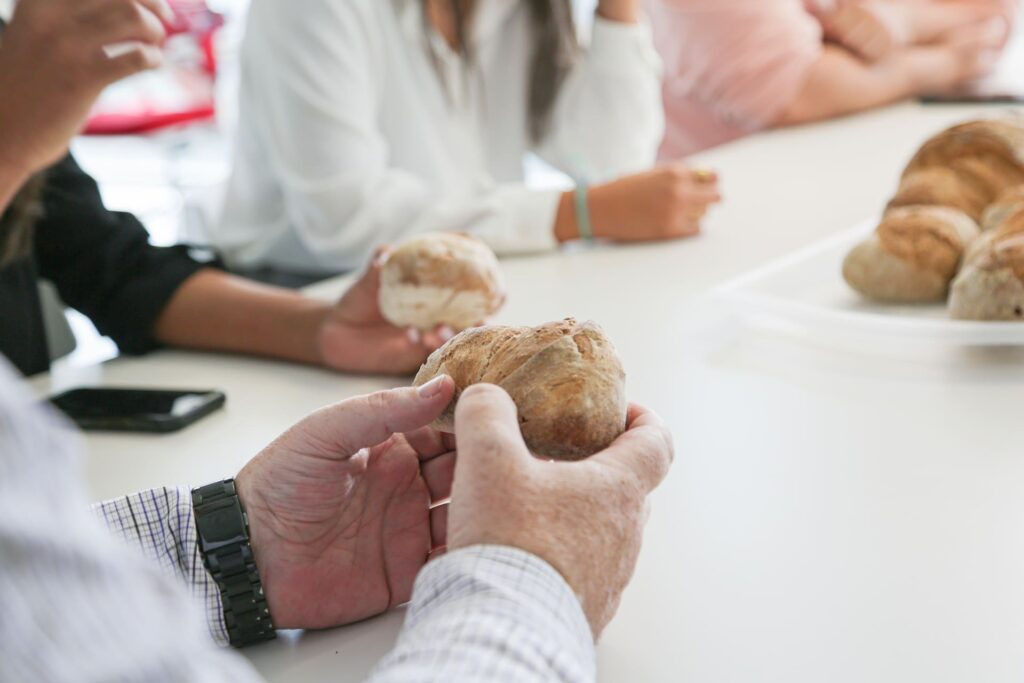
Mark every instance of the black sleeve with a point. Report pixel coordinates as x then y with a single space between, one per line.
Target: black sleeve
101 261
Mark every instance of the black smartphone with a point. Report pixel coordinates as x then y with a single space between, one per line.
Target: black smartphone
137 410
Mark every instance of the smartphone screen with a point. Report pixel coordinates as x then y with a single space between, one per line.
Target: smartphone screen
137 410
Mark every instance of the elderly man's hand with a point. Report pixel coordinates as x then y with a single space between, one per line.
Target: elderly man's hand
584 518
53 65
342 507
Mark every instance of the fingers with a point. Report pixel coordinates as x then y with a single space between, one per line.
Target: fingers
704 193
428 443
122 21
365 421
437 338
487 429
439 526
136 60
378 348
369 279
438 474
380 256
704 176
160 8
644 450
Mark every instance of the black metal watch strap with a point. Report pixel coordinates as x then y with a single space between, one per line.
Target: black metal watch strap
223 530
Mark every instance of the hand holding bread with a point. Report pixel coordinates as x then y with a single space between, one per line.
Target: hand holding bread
564 377
443 279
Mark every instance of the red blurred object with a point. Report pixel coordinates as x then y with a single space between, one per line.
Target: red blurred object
179 93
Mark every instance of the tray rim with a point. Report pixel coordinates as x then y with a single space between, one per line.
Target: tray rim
740 292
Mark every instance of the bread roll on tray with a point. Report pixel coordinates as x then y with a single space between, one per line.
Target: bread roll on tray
913 255
991 284
966 167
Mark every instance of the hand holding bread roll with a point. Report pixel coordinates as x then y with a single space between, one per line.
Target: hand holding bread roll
913 255
565 378
441 279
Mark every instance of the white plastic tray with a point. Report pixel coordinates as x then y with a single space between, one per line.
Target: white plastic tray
805 292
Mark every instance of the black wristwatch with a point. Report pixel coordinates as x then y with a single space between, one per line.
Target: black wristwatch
223 530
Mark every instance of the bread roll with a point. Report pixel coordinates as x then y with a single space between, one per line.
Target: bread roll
966 167
913 255
1009 203
441 279
565 378
940 186
991 285
1000 141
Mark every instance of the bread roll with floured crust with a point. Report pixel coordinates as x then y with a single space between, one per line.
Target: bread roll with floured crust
913 255
966 167
564 377
441 279
1009 203
940 186
1011 223
991 285
998 140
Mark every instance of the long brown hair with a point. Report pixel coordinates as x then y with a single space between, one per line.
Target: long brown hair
17 221
555 53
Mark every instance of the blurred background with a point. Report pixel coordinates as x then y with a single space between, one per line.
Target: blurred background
160 143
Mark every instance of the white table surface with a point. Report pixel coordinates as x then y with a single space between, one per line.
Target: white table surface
835 514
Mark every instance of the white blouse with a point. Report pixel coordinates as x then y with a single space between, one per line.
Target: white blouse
359 127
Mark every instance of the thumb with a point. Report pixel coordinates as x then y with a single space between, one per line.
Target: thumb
487 432
365 421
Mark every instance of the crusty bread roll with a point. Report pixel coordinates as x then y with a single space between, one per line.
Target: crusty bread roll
441 279
940 186
991 285
998 139
565 378
912 256
966 167
1009 203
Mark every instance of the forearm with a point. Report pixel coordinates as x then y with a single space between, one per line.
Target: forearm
492 613
839 83
219 312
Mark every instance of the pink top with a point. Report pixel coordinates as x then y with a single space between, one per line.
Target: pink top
731 66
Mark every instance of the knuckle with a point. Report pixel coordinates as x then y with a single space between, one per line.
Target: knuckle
380 402
487 392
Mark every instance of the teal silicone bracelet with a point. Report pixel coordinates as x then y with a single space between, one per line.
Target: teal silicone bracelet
583 213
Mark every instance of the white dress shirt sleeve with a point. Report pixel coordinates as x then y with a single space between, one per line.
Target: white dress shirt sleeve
162 524
491 613
613 94
77 604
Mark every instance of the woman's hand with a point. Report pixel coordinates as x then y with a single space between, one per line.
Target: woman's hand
623 11
970 53
355 337
668 202
53 66
875 29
